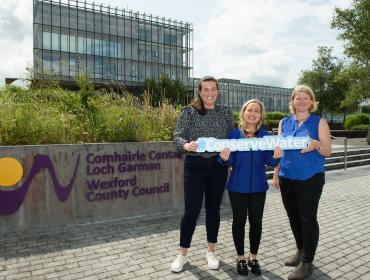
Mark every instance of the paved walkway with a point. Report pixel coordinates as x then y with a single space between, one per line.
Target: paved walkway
143 248
352 143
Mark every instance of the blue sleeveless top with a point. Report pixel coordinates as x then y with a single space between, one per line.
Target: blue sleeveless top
293 164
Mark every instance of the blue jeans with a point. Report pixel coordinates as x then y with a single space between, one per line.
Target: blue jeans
301 201
202 177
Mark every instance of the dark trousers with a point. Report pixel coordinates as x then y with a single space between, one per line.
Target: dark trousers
202 177
301 201
251 205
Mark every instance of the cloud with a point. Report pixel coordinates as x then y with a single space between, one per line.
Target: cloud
16 38
266 42
263 42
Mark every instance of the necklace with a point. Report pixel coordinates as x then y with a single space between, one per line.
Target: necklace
249 133
300 121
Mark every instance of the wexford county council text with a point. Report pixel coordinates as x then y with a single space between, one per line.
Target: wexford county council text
126 167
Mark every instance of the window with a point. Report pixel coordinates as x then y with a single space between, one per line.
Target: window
46 62
64 42
113 49
98 68
89 46
97 50
119 53
106 69
64 64
169 39
55 64
81 45
72 65
46 40
167 58
55 41
105 47
141 54
133 72
155 55
72 43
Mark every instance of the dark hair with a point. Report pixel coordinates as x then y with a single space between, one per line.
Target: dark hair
197 103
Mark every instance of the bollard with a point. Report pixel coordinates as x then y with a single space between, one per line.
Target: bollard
345 153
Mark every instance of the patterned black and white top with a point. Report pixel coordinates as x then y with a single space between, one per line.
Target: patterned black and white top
191 125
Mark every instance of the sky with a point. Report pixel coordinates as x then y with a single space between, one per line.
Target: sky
266 42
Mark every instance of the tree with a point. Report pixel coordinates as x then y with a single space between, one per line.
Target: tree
354 25
171 90
323 78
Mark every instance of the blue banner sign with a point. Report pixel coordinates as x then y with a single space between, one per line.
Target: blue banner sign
211 144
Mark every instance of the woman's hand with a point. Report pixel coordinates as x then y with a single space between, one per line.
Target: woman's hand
275 179
191 146
278 153
275 182
225 154
313 145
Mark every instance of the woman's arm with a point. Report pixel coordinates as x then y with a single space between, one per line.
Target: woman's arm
323 145
275 178
179 133
324 139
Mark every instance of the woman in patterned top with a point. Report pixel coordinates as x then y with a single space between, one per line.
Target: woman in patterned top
203 176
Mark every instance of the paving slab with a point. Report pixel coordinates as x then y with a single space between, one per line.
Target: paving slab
144 247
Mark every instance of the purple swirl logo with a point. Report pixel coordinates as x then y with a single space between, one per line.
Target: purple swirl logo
11 201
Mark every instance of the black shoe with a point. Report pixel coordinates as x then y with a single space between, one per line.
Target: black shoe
255 267
242 267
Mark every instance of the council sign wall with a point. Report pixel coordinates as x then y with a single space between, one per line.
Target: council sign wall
56 185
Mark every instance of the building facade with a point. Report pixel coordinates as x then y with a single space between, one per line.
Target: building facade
109 44
121 47
234 94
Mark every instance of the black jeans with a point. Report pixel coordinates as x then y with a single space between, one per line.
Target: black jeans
301 201
251 205
202 177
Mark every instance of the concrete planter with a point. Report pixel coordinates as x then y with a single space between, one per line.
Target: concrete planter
65 185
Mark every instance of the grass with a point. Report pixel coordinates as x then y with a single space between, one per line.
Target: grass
57 116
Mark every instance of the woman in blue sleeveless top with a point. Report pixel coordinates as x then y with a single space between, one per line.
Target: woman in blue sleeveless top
300 177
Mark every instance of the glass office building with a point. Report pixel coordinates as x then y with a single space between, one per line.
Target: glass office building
234 94
118 46
110 44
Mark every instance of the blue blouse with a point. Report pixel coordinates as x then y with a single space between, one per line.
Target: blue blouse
297 166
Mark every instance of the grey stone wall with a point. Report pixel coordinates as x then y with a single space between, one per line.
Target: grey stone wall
75 184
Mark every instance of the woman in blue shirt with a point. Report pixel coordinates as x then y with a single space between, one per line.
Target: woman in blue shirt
300 177
247 184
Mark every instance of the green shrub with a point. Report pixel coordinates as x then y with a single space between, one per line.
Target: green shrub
272 122
365 109
353 120
236 118
276 115
360 127
54 115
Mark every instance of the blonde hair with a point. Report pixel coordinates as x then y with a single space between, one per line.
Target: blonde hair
242 123
309 92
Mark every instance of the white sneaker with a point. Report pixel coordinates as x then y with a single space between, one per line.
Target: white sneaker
178 263
213 262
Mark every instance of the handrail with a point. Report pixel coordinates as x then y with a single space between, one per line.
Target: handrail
345 153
